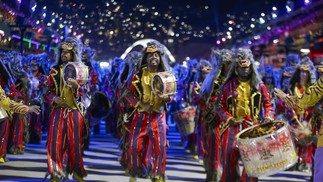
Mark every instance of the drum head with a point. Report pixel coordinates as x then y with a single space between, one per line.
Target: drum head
69 72
260 130
158 85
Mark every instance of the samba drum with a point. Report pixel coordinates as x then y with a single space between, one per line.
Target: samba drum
164 83
99 108
184 119
76 70
266 148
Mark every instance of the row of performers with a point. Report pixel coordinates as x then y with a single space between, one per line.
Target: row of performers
62 102
24 80
66 98
232 92
232 96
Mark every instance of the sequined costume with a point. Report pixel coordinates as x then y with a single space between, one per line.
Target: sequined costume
147 128
64 148
303 77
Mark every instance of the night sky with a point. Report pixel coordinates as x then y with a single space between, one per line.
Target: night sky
111 26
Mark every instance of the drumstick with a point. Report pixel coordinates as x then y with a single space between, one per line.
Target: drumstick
296 118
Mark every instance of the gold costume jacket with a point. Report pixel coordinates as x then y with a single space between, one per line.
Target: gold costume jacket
260 105
71 97
140 91
311 97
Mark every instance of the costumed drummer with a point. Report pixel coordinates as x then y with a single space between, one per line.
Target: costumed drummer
37 79
303 77
309 98
204 67
149 120
244 101
221 61
64 148
88 55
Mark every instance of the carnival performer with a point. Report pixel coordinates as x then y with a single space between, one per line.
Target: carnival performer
304 76
19 92
149 123
291 63
188 81
308 99
6 107
126 110
38 88
244 101
92 86
221 61
88 55
280 109
44 65
64 148
268 79
204 67
317 118
319 69
111 82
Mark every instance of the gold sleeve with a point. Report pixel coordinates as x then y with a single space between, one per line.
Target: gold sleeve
312 95
10 105
4 100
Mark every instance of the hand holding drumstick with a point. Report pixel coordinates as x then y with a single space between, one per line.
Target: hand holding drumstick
290 100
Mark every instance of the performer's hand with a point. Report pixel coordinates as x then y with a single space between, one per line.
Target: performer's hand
146 107
164 98
73 83
290 101
57 100
34 109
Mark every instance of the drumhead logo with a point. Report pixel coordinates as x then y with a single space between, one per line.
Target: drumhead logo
279 164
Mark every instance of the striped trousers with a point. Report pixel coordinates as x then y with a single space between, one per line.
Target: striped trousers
231 156
148 135
4 133
64 148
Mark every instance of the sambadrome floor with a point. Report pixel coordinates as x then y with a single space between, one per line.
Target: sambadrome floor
101 162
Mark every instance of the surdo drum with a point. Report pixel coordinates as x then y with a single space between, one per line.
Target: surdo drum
266 148
184 119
